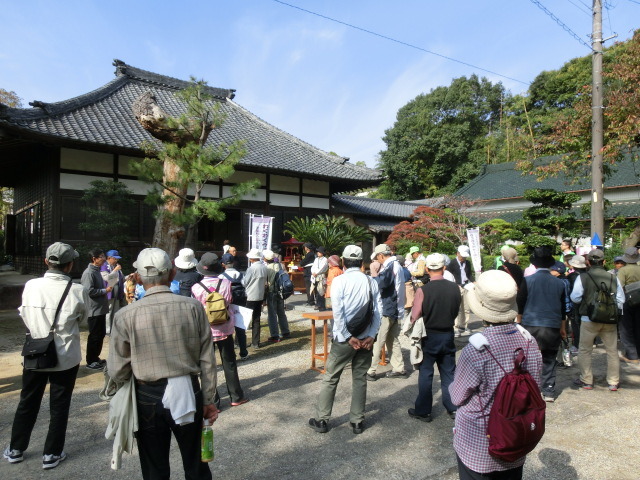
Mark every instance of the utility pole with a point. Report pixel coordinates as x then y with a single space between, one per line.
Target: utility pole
597 130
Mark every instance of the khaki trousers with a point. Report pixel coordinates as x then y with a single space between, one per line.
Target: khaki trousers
609 335
388 335
339 357
464 314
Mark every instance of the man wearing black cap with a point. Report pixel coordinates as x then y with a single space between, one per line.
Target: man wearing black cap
541 310
40 299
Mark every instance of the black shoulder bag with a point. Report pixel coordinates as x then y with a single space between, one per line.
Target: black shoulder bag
41 353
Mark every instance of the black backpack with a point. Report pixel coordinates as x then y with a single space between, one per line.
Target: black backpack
238 293
283 284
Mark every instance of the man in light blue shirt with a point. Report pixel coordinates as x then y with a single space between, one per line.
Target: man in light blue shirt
584 288
351 295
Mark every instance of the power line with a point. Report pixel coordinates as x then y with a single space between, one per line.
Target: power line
634 1
579 7
561 23
399 41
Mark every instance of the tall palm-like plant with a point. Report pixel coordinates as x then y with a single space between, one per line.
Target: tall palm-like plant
333 233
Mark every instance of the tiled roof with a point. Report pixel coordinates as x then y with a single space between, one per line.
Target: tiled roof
504 181
104 117
374 207
377 226
616 209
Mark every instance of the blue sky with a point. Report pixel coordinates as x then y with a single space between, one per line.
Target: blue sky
331 85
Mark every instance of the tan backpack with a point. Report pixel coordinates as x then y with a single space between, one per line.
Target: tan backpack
215 305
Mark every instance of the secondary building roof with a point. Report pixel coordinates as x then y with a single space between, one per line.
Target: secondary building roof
504 180
103 120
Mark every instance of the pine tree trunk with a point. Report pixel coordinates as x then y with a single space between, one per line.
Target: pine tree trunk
166 235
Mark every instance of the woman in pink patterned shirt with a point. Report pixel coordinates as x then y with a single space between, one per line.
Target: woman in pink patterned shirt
477 376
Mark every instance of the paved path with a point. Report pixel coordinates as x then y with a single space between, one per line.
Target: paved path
590 434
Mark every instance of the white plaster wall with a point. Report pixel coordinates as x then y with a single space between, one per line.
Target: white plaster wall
314 202
316 187
284 200
85 161
286 184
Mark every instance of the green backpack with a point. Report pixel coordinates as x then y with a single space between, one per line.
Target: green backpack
215 306
602 307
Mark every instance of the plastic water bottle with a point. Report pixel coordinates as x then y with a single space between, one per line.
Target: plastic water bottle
206 446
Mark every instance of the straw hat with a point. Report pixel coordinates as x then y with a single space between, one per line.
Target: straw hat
493 297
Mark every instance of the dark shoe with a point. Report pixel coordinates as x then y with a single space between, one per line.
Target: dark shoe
424 418
273 339
94 366
239 402
452 415
52 461
358 428
103 362
286 336
244 357
579 383
393 374
371 378
318 426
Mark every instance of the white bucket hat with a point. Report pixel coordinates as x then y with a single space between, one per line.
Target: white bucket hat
493 297
186 259
254 253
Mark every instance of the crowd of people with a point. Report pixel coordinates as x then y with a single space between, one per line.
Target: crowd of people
164 340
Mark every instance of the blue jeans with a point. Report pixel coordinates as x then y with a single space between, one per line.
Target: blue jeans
155 426
438 348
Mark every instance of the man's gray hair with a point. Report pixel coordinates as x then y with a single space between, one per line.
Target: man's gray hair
155 279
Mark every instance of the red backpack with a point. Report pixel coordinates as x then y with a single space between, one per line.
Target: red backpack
516 420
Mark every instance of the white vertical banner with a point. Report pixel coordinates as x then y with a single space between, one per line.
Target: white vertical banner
260 236
473 237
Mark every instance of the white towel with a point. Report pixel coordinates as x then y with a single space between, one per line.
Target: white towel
180 399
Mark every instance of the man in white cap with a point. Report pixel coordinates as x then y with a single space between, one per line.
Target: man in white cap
356 319
44 300
437 303
255 283
460 267
392 292
161 339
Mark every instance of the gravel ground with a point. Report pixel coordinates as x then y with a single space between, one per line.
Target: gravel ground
589 434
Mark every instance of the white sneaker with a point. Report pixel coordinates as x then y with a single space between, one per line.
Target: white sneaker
466 332
13 456
52 461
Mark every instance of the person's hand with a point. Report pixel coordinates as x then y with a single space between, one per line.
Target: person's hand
367 343
109 289
117 267
210 412
355 343
563 331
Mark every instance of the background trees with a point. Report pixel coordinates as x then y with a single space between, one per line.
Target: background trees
438 139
